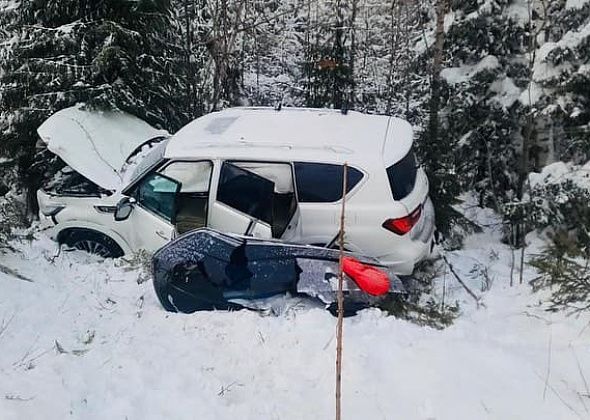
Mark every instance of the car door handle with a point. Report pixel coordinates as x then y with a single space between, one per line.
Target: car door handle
162 234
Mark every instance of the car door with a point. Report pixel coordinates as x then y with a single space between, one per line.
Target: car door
243 203
151 223
319 191
285 223
192 201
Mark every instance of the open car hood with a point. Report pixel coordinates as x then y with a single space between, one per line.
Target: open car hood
96 143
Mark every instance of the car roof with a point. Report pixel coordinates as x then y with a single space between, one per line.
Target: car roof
293 134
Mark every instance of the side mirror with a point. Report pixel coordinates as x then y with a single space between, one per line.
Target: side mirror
124 208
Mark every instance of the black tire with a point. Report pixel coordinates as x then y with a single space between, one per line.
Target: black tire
92 242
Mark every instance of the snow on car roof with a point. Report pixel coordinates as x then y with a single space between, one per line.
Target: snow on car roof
293 134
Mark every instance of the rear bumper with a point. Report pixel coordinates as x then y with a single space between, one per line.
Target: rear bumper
404 261
424 229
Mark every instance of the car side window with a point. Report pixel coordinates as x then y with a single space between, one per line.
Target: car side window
246 192
402 176
157 193
322 182
284 203
192 201
194 176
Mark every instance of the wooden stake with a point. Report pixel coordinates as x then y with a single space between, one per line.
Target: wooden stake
340 298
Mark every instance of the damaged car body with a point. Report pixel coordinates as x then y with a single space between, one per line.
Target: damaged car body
100 150
257 172
206 269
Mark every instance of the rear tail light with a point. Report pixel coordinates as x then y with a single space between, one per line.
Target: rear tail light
403 225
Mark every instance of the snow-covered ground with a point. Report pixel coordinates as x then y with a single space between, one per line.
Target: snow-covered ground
87 339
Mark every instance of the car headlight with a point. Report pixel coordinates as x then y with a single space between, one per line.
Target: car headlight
105 209
52 209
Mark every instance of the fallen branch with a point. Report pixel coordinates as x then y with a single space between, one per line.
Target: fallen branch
13 273
548 374
559 397
581 371
462 283
11 397
5 324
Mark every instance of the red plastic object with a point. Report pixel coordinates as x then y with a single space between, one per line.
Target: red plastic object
370 279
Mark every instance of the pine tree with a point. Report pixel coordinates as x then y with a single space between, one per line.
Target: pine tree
108 54
561 82
272 53
328 72
484 73
192 17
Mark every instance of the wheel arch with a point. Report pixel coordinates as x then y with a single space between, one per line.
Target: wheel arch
61 232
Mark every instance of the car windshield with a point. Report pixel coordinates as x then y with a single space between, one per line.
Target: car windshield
155 155
402 176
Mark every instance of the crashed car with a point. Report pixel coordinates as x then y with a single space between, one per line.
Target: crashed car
102 152
206 269
260 172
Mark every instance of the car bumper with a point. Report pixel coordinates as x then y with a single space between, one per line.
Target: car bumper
404 262
46 222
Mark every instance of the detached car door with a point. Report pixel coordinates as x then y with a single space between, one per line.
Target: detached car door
243 203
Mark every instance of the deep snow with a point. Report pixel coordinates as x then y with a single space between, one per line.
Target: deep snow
84 340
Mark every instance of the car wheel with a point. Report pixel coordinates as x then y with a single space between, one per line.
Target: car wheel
94 243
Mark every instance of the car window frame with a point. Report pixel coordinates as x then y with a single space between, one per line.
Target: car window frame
131 189
353 190
172 221
391 179
221 163
291 164
211 161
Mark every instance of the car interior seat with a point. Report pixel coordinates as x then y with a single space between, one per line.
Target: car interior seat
191 212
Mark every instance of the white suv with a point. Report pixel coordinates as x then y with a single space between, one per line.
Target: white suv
255 171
